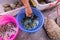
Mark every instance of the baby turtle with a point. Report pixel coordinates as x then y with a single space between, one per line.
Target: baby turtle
7 30
7 9
13 6
30 23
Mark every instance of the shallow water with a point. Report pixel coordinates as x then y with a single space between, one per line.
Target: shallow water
30 23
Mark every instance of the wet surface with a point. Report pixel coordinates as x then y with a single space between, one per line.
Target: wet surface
30 23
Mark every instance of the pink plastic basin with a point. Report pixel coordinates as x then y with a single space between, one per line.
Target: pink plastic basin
6 19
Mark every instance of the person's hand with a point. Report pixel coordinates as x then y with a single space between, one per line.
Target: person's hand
28 12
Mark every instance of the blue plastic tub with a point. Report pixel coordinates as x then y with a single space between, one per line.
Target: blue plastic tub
21 15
